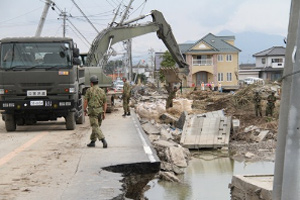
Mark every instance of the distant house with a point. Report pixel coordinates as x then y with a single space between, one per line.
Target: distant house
247 70
270 62
212 59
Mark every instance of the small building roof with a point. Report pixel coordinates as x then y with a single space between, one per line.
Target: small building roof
273 51
217 44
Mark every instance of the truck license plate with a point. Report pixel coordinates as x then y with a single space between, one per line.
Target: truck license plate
36 103
36 93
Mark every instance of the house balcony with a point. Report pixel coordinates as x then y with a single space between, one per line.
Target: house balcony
202 62
202 65
277 65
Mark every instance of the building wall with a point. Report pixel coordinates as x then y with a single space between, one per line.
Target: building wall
228 67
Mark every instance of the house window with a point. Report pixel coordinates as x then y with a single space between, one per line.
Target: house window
277 60
229 76
220 76
220 58
228 57
263 61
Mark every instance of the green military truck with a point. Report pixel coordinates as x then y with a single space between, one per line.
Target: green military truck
40 79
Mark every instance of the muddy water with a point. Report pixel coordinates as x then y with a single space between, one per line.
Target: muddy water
206 178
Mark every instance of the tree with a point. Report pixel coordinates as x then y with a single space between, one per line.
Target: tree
167 61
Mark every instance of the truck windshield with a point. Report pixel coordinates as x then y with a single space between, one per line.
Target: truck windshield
35 55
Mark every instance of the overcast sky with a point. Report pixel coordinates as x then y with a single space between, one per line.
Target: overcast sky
190 19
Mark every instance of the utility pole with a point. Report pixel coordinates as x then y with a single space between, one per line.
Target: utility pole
129 43
43 18
64 17
286 184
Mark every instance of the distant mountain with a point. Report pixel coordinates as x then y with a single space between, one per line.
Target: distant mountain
252 42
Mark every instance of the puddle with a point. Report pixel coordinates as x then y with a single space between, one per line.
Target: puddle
207 177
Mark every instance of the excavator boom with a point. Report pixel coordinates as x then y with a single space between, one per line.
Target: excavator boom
98 52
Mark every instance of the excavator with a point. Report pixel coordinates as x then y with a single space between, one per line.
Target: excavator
99 51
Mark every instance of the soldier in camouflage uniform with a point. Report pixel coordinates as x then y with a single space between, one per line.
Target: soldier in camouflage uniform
271 104
126 97
172 94
95 101
257 105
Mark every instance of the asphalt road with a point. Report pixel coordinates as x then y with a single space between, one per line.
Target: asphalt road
46 161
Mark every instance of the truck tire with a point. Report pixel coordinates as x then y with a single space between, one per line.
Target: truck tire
81 118
10 123
70 121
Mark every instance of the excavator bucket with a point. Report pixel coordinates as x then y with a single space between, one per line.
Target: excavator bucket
171 74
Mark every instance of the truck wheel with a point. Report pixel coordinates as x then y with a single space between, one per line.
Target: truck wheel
81 118
10 123
70 121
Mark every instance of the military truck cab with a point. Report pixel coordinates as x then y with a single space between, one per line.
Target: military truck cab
40 80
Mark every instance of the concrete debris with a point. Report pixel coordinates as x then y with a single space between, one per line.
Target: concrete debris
250 128
251 137
166 135
167 118
235 125
165 166
168 176
180 123
150 129
249 155
177 155
262 135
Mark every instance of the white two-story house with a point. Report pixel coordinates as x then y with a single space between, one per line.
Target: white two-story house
270 63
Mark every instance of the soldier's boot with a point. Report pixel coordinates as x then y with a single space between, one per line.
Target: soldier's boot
104 143
91 144
124 114
128 113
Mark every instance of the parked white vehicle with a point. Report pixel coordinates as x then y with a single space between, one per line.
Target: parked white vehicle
118 85
252 80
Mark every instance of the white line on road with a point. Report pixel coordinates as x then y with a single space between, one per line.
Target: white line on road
146 147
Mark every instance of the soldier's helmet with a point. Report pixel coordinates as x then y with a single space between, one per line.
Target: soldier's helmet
273 92
94 79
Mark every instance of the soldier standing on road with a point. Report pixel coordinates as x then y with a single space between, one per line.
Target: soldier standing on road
95 101
271 104
257 105
126 97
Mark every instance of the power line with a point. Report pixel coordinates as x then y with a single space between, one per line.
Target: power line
85 16
20 15
78 31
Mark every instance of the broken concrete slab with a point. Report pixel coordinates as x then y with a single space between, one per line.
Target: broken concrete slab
181 120
150 129
177 156
165 134
168 176
252 187
235 125
165 166
201 131
166 118
262 135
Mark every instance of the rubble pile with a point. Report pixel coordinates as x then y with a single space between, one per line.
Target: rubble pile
253 138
